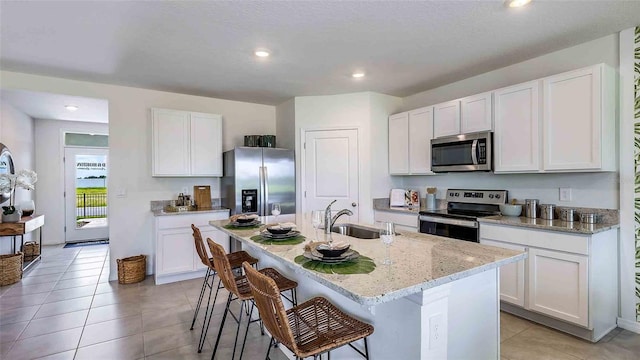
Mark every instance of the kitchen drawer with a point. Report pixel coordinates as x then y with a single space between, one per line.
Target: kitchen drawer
181 221
410 220
578 244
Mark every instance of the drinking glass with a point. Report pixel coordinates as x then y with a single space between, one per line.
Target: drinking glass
317 217
275 210
387 235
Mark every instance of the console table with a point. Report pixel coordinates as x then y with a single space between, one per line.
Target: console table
26 225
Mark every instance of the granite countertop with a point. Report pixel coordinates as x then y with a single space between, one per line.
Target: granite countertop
574 227
214 209
421 262
383 205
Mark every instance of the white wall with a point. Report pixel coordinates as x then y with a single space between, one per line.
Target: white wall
49 152
16 133
129 149
286 124
599 190
368 113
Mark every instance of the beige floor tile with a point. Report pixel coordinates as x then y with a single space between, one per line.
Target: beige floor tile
628 340
63 307
44 345
163 302
19 289
111 298
57 263
71 283
127 348
20 314
513 323
41 279
111 312
47 271
12 302
87 260
88 266
66 355
71 293
81 273
55 323
110 330
91 254
506 334
187 352
178 315
528 345
114 286
11 332
608 351
168 338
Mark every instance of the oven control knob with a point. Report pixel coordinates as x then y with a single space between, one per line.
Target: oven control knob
457 194
450 194
490 196
497 196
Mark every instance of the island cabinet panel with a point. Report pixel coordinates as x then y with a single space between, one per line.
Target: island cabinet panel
446 119
511 276
476 114
186 143
558 285
569 281
516 137
176 258
579 120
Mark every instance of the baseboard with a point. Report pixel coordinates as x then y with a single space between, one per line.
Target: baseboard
629 325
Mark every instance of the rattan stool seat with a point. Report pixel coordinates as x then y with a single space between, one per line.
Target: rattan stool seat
238 257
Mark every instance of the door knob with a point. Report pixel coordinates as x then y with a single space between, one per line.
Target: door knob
354 204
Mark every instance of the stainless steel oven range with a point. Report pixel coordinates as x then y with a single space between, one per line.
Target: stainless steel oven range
460 219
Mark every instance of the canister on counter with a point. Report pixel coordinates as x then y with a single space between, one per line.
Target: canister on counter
531 208
588 218
547 211
567 214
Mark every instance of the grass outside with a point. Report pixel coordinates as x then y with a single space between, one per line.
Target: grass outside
95 196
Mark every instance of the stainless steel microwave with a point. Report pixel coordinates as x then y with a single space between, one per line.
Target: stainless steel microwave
468 152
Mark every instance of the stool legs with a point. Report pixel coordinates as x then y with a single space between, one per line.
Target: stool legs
208 313
202 291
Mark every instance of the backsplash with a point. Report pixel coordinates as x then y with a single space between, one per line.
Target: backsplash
157 205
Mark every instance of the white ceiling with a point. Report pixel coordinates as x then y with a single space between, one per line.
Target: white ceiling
52 106
206 48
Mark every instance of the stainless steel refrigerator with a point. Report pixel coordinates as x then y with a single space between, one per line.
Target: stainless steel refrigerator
256 178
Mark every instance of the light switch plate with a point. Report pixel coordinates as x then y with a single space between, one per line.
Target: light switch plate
565 194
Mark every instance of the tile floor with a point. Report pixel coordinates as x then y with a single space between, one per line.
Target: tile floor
65 308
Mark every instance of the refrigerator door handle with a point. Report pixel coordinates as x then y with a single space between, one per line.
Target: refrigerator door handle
266 191
261 192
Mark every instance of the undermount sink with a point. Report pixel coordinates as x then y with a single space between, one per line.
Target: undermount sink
356 231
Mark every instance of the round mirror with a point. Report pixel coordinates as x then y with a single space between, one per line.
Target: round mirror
6 167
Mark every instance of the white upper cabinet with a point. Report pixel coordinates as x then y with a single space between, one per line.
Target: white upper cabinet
516 137
410 135
446 119
475 113
578 120
399 144
186 143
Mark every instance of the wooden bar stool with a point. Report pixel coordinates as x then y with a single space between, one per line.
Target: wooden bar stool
235 261
238 287
309 329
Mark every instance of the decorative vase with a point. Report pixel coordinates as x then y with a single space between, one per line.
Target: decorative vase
12 218
27 207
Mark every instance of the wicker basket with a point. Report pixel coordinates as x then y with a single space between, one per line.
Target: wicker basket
10 268
132 269
31 250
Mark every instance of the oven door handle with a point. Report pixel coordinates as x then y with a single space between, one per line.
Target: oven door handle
474 152
448 221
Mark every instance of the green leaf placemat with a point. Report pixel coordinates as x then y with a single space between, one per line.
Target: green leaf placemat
290 241
233 227
361 265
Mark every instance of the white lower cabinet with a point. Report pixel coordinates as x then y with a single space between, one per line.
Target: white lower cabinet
402 222
569 281
558 285
176 258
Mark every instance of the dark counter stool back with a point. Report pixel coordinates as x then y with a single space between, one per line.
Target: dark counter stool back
309 329
238 287
235 260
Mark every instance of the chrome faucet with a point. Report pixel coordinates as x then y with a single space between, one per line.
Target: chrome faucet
329 221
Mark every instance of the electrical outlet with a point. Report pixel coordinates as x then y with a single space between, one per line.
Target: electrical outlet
565 194
437 337
185 190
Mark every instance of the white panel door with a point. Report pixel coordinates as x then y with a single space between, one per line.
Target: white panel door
516 137
446 119
475 113
206 144
558 285
572 121
511 276
331 171
170 137
175 251
420 135
399 144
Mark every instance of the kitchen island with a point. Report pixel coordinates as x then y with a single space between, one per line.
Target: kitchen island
439 299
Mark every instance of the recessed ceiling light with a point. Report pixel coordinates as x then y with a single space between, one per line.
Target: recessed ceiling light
262 53
358 74
516 3
71 107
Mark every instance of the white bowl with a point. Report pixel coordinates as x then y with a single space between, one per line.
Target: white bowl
511 210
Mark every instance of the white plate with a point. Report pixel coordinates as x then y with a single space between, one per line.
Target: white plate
267 235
